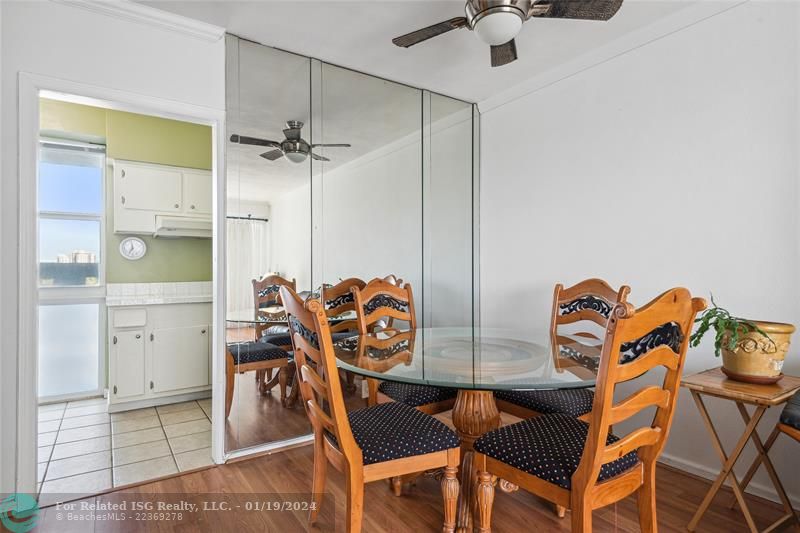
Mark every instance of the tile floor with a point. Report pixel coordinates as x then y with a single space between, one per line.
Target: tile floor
84 450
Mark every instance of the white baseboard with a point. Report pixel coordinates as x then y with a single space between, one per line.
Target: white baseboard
705 472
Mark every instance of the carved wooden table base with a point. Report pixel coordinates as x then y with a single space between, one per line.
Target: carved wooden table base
474 414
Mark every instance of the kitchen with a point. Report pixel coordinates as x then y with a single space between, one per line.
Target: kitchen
125 297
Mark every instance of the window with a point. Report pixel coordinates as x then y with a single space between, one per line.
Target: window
70 214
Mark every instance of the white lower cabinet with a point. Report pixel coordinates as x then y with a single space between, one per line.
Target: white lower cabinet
127 352
158 351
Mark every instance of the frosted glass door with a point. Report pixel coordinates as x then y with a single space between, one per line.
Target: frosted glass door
69 349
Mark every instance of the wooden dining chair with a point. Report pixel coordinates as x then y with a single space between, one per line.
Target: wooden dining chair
582 465
590 300
381 300
339 301
369 444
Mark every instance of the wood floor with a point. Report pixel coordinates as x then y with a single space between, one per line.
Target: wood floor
285 477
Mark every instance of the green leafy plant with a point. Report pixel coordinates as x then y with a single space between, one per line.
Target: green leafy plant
723 322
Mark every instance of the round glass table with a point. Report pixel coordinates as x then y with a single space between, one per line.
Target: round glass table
476 362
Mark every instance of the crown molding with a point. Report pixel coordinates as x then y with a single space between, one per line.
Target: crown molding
131 11
680 20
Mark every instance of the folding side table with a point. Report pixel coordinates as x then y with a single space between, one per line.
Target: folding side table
714 383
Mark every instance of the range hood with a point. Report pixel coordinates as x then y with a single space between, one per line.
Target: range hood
175 227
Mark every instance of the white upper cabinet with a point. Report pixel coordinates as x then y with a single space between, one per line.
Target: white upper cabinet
197 192
144 190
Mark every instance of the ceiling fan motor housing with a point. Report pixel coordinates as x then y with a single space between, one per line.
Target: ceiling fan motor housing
479 9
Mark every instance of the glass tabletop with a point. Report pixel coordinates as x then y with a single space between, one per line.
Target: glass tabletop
479 359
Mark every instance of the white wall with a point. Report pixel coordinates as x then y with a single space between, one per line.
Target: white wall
290 223
70 43
672 164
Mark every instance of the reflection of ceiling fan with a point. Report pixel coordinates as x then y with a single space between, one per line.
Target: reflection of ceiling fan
497 22
293 146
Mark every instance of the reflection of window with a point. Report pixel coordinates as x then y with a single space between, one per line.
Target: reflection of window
70 213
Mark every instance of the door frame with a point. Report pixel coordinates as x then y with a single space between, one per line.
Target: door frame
31 87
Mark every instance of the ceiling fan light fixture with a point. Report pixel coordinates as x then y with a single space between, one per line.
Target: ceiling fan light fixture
498 27
296 157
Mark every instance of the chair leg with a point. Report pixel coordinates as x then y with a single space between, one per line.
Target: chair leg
397 485
318 484
561 511
372 384
450 492
230 375
269 374
355 499
484 495
283 380
581 518
646 500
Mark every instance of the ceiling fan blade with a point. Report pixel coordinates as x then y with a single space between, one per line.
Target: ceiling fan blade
272 155
331 145
416 37
576 9
319 157
242 139
293 134
504 54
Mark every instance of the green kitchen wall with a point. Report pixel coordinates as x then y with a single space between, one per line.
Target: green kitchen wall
150 139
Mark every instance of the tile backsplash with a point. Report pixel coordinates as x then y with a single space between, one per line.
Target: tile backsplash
132 293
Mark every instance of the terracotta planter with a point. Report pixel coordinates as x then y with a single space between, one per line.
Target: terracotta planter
758 359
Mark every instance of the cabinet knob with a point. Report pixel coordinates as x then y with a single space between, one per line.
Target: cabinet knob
115 389
123 200
203 332
177 206
123 173
192 207
138 336
115 339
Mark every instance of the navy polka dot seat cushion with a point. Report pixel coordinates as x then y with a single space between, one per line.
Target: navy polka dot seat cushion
791 413
416 395
390 431
548 447
256 352
573 402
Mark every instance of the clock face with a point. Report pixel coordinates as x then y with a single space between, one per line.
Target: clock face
132 248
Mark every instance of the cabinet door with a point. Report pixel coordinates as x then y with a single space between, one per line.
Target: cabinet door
149 188
180 358
197 192
127 364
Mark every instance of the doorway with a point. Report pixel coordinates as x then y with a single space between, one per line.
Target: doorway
113 296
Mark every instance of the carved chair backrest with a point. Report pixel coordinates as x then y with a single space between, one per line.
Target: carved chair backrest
380 299
320 386
636 341
590 300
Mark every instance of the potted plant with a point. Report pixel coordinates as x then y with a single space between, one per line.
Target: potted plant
752 351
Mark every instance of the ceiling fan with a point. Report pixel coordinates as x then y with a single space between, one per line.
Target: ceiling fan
497 22
294 147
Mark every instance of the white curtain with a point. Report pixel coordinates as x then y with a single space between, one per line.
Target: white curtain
248 253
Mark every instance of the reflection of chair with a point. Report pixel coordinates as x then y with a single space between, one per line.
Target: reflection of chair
379 300
368 444
590 300
258 356
271 327
583 466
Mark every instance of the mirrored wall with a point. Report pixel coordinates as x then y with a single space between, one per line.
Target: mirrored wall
334 174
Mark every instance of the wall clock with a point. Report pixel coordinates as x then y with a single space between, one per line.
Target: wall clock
132 248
